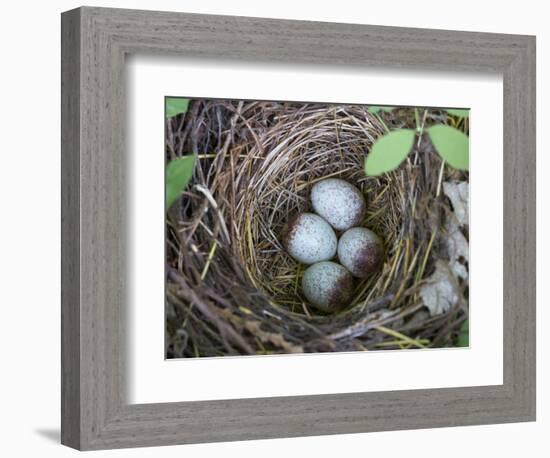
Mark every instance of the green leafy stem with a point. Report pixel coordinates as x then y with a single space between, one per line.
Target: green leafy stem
390 150
178 175
179 171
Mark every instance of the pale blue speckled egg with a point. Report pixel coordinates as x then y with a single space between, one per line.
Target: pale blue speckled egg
327 285
309 238
339 202
360 250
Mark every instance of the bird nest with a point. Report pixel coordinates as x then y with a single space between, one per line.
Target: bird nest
231 287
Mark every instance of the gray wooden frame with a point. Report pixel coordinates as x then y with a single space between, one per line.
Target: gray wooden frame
95 41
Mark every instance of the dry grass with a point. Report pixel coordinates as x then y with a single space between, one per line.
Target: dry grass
232 289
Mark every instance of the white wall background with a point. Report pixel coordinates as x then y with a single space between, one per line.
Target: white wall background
29 228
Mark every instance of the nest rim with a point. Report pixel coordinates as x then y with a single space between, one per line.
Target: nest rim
249 190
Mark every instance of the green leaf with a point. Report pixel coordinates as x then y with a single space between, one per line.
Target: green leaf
459 113
178 174
451 144
389 151
176 106
374 109
463 339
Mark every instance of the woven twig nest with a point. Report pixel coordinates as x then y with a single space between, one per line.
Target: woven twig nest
231 287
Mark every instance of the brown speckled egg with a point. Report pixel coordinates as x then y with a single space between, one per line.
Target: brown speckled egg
327 285
339 202
360 250
309 238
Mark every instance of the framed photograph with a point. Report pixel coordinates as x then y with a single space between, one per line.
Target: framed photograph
285 228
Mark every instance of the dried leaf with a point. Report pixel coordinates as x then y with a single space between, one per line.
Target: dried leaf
457 192
458 249
457 244
440 293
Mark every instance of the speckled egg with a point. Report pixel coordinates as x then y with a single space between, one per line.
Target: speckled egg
327 285
339 202
309 238
360 251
